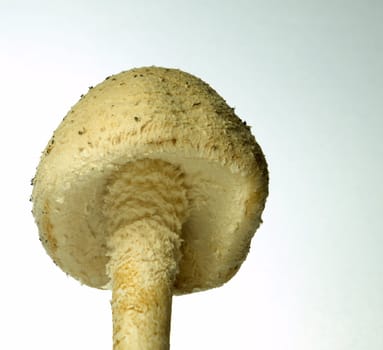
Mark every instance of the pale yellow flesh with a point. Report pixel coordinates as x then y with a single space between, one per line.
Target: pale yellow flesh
213 247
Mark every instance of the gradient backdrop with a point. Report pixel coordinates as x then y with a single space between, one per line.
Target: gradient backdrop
306 75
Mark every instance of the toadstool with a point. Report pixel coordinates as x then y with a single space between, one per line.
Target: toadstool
151 186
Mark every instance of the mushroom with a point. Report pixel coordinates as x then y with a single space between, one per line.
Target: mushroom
152 187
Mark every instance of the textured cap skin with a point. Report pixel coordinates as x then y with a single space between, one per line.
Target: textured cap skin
154 113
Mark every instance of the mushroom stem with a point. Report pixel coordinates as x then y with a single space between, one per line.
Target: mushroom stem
144 208
143 267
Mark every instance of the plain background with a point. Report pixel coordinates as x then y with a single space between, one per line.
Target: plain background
306 75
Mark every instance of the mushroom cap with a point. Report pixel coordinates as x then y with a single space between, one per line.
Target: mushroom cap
152 113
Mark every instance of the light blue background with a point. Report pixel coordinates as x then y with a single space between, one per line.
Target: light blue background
308 77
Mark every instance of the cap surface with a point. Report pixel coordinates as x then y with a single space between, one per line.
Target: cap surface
152 113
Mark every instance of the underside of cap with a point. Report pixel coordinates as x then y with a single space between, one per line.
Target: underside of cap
160 114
